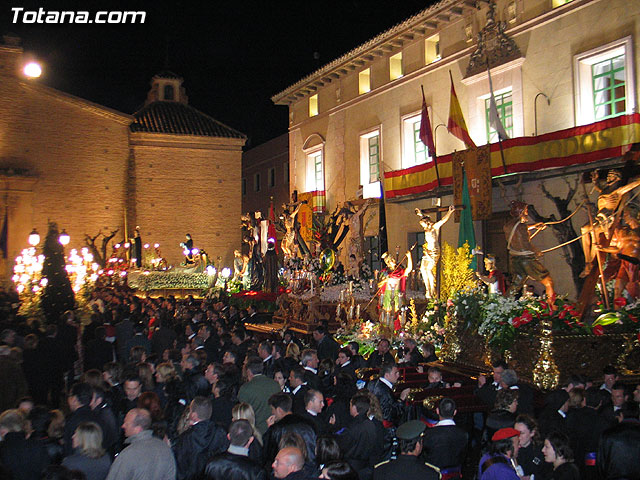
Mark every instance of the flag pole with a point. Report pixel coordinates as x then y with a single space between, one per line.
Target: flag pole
504 163
435 155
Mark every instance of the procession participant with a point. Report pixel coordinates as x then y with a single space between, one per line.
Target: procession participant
392 287
522 254
431 249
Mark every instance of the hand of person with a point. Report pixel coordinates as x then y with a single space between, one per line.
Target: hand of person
420 369
332 419
456 385
452 208
481 381
404 394
271 420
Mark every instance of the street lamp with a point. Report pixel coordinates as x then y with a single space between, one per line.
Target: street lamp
32 70
64 238
34 238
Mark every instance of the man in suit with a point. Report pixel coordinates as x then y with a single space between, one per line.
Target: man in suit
619 448
256 392
265 352
509 380
344 364
327 347
381 355
309 361
445 445
392 409
99 351
314 403
357 359
299 388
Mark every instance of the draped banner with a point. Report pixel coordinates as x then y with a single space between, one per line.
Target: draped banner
572 146
476 163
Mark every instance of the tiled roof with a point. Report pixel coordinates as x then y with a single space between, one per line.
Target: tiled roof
179 119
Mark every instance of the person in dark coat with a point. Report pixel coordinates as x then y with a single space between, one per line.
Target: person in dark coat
270 263
554 415
619 448
203 439
445 444
40 419
289 465
235 464
283 421
192 379
314 403
408 465
309 361
412 356
124 332
503 414
530 457
163 337
24 458
359 442
98 352
79 401
381 355
326 347
392 409
299 388
344 363
357 360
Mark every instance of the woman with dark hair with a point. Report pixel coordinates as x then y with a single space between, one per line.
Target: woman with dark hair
40 419
225 396
326 370
151 402
530 456
327 451
339 471
343 390
557 451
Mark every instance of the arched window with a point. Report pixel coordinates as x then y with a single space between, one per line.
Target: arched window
168 92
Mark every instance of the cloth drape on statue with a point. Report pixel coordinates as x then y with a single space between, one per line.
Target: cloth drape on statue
466 232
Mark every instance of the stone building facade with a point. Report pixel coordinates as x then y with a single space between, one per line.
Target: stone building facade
88 167
359 115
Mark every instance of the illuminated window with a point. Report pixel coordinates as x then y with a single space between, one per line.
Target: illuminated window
256 182
370 164
244 186
272 177
432 49
414 151
168 92
364 81
313 105
504 105
315 171
604 79
395 66
559 3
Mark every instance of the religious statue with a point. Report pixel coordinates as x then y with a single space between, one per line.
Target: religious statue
392 287
188 250
522 254
288 243
137 247
355 250
270 262
494 280
241 268
612 197
627 249
431 249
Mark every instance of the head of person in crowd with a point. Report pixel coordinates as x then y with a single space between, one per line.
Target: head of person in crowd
508 378
80 395
296 377
309 358
556 449
498 366
112 373
383 346
506 441
327 450
265 349
132 386
610 376
410 437
166 372
253 367
12 421
213 372
339 470
446 409
354 347
618 394
506 400
293 351
244 411
390 372
314 401
241 433
200 410
576 398
189 363
279 377
25 405
434 375
287 461
137 354
319 333
281 405
151 402
359 405
87 440
145 372
344 356
528 429
575 381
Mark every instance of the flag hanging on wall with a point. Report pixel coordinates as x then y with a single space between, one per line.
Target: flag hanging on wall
456 124
426 134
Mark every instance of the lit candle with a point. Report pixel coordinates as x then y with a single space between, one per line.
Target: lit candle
358 311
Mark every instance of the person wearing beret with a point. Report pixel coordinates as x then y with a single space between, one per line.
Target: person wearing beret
499 463
408 465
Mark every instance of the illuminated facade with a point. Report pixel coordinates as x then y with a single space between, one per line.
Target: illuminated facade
168 168
580 55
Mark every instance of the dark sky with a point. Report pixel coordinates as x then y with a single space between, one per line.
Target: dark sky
233 56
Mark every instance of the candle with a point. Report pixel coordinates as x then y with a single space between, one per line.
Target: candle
358 311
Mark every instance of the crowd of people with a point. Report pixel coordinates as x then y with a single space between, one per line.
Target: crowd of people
159 388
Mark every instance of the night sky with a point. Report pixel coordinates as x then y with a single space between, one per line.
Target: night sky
233 56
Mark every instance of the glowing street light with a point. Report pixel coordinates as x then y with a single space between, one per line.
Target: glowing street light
64 238
34 238
32 70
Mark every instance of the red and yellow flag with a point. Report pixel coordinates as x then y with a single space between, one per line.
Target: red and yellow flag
456 124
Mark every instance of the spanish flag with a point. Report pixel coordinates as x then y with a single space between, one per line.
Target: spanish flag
456 124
